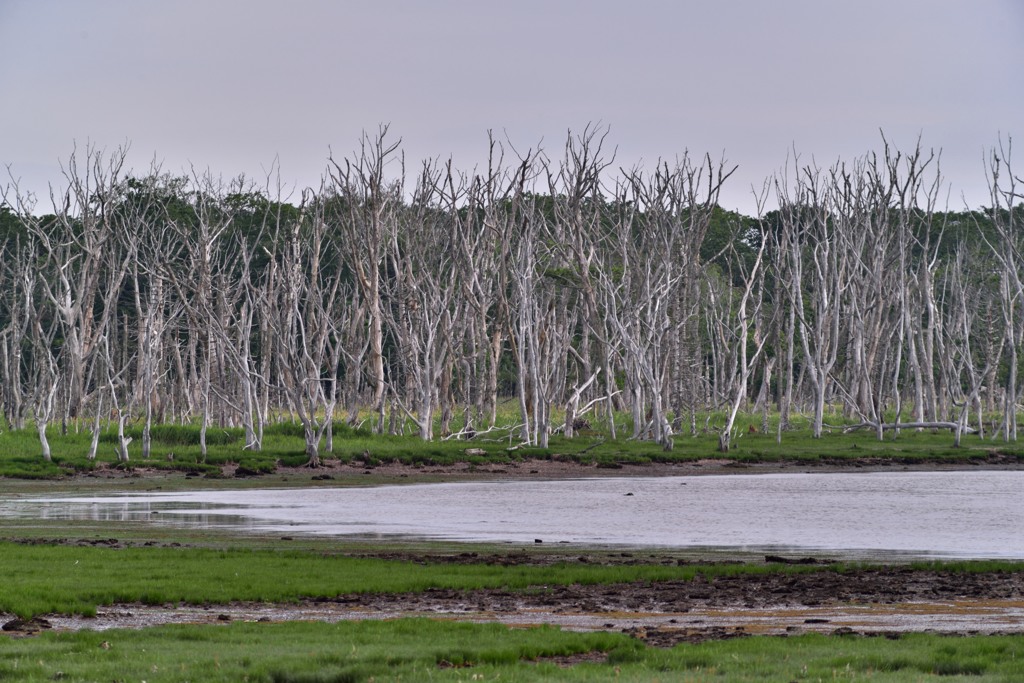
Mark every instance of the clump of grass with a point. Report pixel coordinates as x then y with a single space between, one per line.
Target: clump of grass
177 435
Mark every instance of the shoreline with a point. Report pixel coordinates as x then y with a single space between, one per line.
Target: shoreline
556 469
334 472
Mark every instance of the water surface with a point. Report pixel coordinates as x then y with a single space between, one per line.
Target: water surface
936 514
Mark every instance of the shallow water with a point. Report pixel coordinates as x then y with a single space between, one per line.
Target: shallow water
934 514
964 616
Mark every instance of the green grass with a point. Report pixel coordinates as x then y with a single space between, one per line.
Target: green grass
420 649
43 578
176 448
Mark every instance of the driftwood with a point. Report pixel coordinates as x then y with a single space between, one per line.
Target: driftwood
908 425
471 433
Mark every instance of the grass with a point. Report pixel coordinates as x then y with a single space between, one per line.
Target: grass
420 649
176 448
45 578
42 579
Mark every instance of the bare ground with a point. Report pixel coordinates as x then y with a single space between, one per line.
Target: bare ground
559 468
337 472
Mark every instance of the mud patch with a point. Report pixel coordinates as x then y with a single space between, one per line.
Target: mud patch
26 627
881 601
568 661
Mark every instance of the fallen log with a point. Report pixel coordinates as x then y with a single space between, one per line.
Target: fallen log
886 426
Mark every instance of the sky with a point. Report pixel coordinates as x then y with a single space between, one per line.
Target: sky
247 86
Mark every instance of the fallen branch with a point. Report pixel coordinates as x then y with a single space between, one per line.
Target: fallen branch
585 409
591 447
472 433
908 425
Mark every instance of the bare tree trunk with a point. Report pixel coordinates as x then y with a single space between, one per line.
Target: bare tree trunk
736 327
1008 249
368 204
94 442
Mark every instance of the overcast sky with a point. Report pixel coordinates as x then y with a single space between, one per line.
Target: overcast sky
230 85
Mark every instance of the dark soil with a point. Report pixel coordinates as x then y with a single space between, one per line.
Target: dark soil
887 585
657 612
334 472
823 588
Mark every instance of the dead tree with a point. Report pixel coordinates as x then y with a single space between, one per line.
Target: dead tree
302 292
479 211
422 289
787 273
44 370
217 297
577 231
640 272
862 195
912 205
1007 246
148 239
79 245
17 308
735 314
541 328
963 303
366 202
121 396
810 242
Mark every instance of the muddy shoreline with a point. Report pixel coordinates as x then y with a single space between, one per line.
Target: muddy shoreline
870 601
355 473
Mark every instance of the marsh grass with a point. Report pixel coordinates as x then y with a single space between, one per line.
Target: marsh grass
420 649
176 448
44 579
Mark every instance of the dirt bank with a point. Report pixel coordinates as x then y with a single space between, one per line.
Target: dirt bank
873 601
339 473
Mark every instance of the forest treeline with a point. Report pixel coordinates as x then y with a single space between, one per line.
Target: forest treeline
579 288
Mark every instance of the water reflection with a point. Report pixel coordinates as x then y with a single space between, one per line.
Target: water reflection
943 514
114 509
